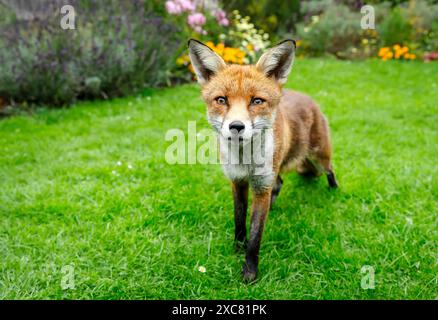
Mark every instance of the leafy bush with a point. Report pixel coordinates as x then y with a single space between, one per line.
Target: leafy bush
244 35
278 18
424 20
329 27
335 31
116 48
395 29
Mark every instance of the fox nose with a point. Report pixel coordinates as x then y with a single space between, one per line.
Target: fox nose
237 125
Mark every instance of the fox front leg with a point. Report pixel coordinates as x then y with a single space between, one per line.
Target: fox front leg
259 211
240 197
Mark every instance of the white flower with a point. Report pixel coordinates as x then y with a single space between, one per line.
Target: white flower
129 166
119 163
114 172
202 269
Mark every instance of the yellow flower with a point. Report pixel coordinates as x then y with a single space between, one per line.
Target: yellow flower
183 60
210 44
220 48
383 51
230 55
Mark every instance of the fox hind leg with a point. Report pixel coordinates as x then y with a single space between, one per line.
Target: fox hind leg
326 166
309 168
276 190
315 167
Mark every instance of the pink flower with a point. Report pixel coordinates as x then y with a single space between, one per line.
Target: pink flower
199 30
173 8
196 19
224 22
186 5
221 17
177 7
220 14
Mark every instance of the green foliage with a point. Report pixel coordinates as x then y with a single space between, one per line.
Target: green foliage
116 49
335 31
244 35
334 28
278 18
424 20
140 229
395 29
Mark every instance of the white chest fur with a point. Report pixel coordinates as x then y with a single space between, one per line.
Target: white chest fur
252 162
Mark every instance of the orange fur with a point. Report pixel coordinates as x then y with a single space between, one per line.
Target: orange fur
300 129
242 99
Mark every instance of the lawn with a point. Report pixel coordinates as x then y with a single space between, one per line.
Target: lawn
86 191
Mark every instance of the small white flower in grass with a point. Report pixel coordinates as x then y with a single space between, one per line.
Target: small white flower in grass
409 221
202 269
119 163
114 172
129 166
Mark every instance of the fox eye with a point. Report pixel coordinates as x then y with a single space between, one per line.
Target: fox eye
221 100
257 101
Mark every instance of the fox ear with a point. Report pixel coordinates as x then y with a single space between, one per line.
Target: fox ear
205 61
277 61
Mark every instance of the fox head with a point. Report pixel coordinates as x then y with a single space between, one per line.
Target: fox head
241 100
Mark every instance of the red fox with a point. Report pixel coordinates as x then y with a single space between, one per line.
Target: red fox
243 101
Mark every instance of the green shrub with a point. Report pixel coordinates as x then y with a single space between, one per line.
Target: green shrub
335 31
424 20
116 49
395 29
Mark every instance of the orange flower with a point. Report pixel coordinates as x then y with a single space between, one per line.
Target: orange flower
383 51
210 44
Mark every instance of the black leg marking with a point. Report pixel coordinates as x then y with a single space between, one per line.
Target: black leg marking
332 179
240 197
260 209
276 190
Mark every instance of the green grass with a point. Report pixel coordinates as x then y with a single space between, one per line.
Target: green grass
144 232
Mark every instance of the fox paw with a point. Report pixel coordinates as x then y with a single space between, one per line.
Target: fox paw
249 276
